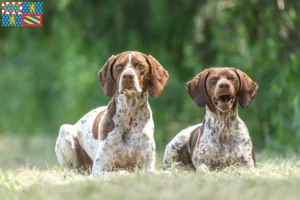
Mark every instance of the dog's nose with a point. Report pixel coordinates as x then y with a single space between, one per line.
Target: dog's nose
224 85
128 76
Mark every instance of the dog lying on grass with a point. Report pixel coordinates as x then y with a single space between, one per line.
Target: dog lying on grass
222 139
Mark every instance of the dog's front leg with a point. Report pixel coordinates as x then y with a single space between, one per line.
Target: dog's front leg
148 166
98 167
100 162
246 161
245 156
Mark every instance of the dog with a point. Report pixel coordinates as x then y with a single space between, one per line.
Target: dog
222 139
118 136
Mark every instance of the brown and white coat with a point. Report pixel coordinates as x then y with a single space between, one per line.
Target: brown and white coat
120 135
222 139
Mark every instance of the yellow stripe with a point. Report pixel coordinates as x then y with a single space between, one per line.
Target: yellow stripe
37 21
28 22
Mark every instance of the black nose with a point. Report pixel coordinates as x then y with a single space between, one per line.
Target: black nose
128 76
223 85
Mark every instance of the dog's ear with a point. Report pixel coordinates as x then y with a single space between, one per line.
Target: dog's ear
105 77
248 89
157 77
197 88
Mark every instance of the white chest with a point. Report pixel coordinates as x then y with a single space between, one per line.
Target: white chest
131 142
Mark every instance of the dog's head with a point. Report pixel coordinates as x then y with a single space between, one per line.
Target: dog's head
221 88
131 73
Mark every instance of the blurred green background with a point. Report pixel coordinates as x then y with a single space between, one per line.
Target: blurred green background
48 74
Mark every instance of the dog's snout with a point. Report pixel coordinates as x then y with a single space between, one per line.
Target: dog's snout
129 81
128 76
224 85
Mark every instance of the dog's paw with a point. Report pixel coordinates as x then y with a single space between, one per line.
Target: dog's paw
122 172
98 173
158 172
202 168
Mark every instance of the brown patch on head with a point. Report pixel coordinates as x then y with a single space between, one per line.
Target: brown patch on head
109 75
141 68
158 77
96 124
108 123
83 159
196 88
222 86
105 77
150 73
119 66
248 89
219 88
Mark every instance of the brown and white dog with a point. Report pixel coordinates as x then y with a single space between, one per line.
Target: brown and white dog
222 138
120 135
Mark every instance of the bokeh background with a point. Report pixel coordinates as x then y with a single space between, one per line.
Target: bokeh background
48 74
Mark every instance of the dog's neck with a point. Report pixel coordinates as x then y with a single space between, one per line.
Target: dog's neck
131 102
131 110
221 124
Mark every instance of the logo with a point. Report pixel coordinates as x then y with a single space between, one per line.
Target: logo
22 13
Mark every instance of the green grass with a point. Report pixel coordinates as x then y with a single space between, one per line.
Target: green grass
29 171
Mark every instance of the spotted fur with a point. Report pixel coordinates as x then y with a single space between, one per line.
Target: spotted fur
222 139
120 135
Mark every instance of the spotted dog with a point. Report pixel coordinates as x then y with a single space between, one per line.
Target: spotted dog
120 135
222 139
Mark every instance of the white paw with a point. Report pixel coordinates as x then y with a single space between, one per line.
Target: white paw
202 168
122 172
158 172
98 173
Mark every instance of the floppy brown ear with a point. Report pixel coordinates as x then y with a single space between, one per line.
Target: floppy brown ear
248 89
196 88
158 77
105 77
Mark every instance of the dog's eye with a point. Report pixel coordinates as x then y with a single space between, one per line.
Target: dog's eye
119 67
141 67
231 78
213 80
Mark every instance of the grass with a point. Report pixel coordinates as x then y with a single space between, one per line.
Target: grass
29 171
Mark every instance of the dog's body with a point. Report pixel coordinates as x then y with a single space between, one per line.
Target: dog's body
120 135
222 138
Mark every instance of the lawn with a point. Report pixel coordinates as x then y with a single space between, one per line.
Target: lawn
29 171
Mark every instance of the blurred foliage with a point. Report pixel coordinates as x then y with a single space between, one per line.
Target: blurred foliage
48 75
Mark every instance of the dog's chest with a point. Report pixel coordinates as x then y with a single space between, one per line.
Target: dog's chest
131 149
131 142
136 137
222 146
